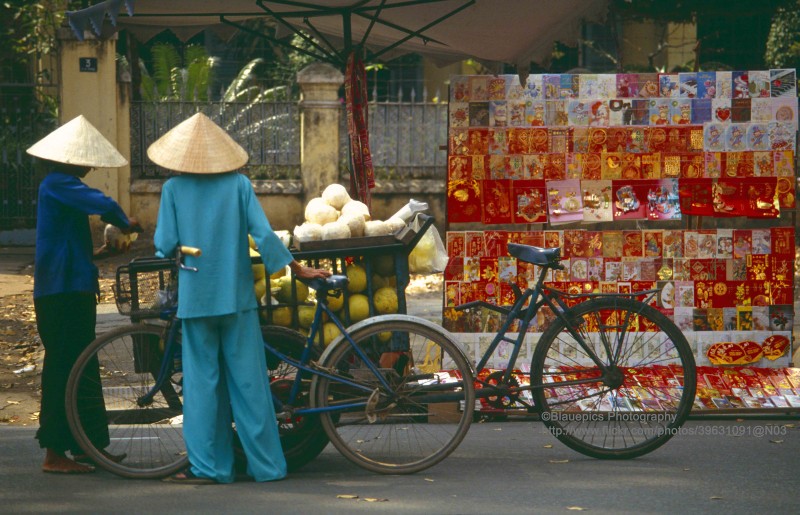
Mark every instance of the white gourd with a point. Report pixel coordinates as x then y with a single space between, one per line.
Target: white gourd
335 231
336 196
395 224
320 212
356 207
308 232
356 224
376 228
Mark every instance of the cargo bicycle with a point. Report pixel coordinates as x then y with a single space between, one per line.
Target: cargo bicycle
592 376
375 392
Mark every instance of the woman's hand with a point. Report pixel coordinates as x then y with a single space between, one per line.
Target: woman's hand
306 272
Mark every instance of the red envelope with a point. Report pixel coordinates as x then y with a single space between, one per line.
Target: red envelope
497 202
464 202
695 197
785 192
632 245
533 238
781 292
478 141
575 243
454 270
455 243
459 168
598 139
495 243
592 166
530 201
739 164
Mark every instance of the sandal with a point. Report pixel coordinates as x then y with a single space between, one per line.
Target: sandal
86 459
187 477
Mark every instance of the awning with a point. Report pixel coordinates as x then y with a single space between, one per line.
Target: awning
509 31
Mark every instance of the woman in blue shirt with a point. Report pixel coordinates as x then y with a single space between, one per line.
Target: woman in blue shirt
65 284
213 208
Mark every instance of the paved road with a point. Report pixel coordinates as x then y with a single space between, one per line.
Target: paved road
512 467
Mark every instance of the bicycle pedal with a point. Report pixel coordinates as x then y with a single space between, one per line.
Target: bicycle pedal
372 403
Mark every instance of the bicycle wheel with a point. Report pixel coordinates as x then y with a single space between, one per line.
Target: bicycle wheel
114 372
302 437
640 401
415 421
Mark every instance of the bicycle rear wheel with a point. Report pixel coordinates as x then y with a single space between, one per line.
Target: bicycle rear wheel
414 422
302 436
642 398
114 372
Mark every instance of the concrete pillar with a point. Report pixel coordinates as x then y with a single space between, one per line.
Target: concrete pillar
88 86
320 110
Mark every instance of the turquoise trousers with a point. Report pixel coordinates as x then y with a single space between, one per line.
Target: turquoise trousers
224 374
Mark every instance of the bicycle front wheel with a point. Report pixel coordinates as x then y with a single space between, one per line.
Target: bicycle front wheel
413 418
132 436
640 396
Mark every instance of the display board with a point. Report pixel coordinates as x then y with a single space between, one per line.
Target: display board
563 149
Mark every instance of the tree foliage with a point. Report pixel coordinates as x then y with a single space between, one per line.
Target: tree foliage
685 11
177 77
783 44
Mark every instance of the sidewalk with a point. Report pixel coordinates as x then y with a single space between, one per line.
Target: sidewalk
16 270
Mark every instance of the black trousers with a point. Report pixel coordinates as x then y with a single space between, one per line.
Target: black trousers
66 323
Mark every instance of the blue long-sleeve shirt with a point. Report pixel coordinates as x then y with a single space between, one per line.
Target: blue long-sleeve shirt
64 249
215 213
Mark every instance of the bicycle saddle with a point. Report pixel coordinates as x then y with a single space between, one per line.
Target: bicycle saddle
535 255
334 282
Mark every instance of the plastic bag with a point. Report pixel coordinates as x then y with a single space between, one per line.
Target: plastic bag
408 211
430 254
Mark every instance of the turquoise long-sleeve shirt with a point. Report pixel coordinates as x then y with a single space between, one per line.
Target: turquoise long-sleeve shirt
215 213
64 249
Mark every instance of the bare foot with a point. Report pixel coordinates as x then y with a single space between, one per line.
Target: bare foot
58 463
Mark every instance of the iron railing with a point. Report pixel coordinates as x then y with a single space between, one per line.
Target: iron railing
269 131
20 127
406 140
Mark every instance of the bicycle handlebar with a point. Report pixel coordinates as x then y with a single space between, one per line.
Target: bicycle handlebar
191 251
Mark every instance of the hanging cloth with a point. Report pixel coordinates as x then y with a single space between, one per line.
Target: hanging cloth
362 177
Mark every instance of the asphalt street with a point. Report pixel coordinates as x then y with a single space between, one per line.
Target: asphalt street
733 466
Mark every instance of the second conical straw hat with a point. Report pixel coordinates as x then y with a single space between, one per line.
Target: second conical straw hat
197 145
78 142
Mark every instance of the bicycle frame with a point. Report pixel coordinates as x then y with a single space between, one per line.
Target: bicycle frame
306 366
536 298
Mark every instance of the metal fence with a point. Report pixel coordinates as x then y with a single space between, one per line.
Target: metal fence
269 131
406 140
405 137
20 127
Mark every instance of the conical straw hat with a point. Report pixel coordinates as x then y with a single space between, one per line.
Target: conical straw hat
77 142
197 145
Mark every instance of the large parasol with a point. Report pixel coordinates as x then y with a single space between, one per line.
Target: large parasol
347 32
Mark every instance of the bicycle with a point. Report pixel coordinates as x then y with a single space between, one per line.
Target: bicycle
377 393
598 375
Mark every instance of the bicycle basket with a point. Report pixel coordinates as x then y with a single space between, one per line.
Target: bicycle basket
145 288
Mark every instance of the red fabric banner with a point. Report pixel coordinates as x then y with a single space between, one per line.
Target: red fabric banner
362 177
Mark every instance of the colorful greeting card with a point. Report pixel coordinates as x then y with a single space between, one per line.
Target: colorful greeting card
564 201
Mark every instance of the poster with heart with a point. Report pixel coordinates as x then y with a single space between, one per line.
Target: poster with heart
721 110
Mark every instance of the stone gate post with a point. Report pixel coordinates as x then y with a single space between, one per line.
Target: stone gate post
320 110
88 85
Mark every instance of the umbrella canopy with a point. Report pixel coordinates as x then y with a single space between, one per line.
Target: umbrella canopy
510 31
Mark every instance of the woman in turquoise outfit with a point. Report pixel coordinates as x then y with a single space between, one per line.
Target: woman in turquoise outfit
213 208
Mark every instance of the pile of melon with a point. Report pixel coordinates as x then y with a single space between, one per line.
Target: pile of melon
289 297
335 216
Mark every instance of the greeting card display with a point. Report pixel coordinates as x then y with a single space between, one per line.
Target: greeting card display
653 148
